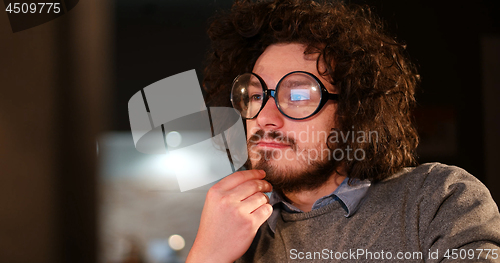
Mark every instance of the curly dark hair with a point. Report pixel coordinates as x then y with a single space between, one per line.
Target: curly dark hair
374 77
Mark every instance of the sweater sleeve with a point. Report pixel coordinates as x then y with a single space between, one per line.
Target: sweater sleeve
459 219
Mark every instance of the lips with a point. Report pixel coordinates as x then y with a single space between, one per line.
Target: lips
272 144
270 140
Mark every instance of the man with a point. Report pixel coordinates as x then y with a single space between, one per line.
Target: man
327 96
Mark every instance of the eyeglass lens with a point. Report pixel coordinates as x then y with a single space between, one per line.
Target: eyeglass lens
298 95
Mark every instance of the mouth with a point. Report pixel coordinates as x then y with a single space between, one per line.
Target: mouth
272 145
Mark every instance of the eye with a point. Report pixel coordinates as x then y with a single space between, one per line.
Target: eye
256 97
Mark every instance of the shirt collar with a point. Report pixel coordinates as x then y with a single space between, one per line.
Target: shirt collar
349 196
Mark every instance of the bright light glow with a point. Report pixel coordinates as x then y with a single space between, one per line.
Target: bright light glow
314 88
243 90
174 139
176 161
176 242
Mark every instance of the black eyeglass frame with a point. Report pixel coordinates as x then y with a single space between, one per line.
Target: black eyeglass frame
325 95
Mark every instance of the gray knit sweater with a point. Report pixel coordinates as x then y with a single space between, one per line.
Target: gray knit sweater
430 213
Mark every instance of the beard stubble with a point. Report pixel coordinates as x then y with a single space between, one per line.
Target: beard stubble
312 174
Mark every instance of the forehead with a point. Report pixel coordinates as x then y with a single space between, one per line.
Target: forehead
283 58
279 59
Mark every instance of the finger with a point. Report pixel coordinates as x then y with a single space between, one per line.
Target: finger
248 188
237 178
253 202
262 213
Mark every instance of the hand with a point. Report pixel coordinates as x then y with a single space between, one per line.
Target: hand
234 210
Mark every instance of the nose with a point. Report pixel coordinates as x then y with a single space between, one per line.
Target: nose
270 118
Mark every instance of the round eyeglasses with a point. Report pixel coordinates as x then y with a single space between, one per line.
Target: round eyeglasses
298 95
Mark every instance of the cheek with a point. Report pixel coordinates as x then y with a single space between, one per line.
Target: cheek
315 134
251 128
311 135
330 112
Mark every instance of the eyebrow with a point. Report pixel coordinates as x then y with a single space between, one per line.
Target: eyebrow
299 82
254 83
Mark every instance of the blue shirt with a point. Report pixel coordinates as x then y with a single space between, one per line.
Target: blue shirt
349 197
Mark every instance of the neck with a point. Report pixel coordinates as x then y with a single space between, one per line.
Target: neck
304 200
